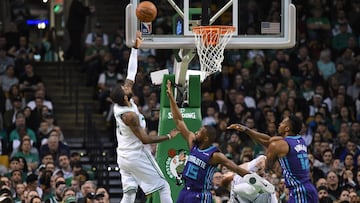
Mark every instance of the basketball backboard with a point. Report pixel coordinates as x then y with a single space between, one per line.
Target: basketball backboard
259 24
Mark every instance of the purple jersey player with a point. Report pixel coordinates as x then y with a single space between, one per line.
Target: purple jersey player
291 151
203 160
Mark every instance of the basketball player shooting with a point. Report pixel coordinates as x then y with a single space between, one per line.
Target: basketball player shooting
290 150
137 165
203 160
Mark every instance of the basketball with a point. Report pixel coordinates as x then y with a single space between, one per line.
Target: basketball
146 11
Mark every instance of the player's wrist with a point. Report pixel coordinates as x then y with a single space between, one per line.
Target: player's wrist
169 136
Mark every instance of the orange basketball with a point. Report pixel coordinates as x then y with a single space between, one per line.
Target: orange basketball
146 11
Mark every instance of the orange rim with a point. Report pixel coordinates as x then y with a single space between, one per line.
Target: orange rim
223 29
207 31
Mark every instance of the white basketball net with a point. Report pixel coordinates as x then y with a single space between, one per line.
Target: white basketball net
210 43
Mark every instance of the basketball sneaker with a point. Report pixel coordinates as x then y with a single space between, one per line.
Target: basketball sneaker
259 183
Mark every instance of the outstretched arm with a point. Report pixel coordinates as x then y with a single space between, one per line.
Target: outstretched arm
133 63
132 120
220 158
177 117
261 138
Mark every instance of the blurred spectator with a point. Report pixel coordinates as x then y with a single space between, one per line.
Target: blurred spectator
342 75
35 200
5 61
322 192
315 173
16 177
68 192
65 167
20 131
318 25
54 146
19 192
351 147
12 35
91 37
24 51
11 114
43 133
306 89
8 80
117 48
107 80
47 48
103 195
75 26
340 41
14 92
3 43
75 185
96 57
334 188
32 184
354 16
86 189
30 194
32 159
300 61
342 139
348 59
327 159
78 171
29 80
56 196
344 196
353 89
224 79
340 19
20 12
47 158
325 65
50 119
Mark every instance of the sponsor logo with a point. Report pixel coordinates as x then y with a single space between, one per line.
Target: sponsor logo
184 114
146 28
175 164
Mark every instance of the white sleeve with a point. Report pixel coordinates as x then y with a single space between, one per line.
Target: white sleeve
105 39
88 39
273 198
133 65
101 78
252 164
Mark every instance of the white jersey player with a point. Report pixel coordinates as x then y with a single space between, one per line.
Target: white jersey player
242 191
137 165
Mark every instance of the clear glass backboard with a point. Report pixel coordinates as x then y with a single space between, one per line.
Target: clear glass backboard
259 24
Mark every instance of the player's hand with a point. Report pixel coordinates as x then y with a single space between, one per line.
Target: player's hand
138 40
168 88
237 127
174 132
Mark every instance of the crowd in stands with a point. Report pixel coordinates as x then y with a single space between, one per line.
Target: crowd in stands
318 80
36 164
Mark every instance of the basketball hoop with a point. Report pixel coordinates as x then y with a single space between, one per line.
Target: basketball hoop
210 43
